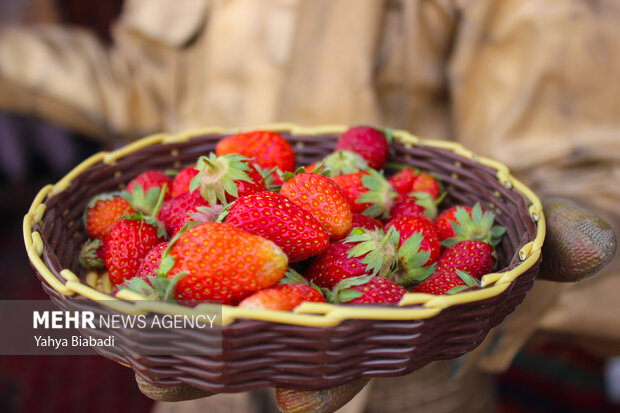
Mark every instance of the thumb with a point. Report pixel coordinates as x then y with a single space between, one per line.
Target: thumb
318 401
578 244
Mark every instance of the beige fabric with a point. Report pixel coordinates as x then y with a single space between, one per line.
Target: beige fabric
533 84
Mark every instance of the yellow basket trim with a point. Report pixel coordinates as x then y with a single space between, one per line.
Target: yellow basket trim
185 136
489 279
130 295
310 314
443 301
37 243
111 157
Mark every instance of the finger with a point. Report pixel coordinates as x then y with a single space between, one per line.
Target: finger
170 394
319 401
578 244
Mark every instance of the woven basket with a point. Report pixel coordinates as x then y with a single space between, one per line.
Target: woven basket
318 345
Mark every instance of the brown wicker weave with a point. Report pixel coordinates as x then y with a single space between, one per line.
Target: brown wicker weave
262 353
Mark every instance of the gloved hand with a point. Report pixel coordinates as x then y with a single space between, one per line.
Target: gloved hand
578 244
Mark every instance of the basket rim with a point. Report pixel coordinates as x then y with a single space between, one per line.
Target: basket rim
307 314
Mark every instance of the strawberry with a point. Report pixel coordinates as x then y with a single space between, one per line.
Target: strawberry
276 218
465 223
151 261
291 291
268 149
362 252
128 242
364 221
367 289
324 200
103 212
444 221
410 180
367 192
426 183
225 178
476 258
182 180
372 144
283 297
151 179
446 282
418 248
219 262
403 180
416 203
92 255
175 212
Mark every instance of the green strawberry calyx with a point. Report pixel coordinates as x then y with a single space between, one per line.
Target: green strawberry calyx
146 203
319 170
150 217
217 176
378 249
467 279
426 201
414 262
343 162
343 292
89 259
293 277
479 227
160 288
216 213
380 194
268 177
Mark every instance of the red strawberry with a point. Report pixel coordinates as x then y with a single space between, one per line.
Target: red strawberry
444 221
476 258
182 180
175 212
151 262
367 192
268 149
362 252
372 144
352 187
418 248
219 262
321 197
128 242
364 221
417 203
426 183
284 297
461 223
368 290
446 282
278 219
151 179
403 180
225 178
410 180
103 212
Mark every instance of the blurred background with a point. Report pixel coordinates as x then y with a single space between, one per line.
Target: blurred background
553 372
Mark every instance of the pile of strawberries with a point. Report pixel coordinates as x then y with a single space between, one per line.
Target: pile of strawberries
242 227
